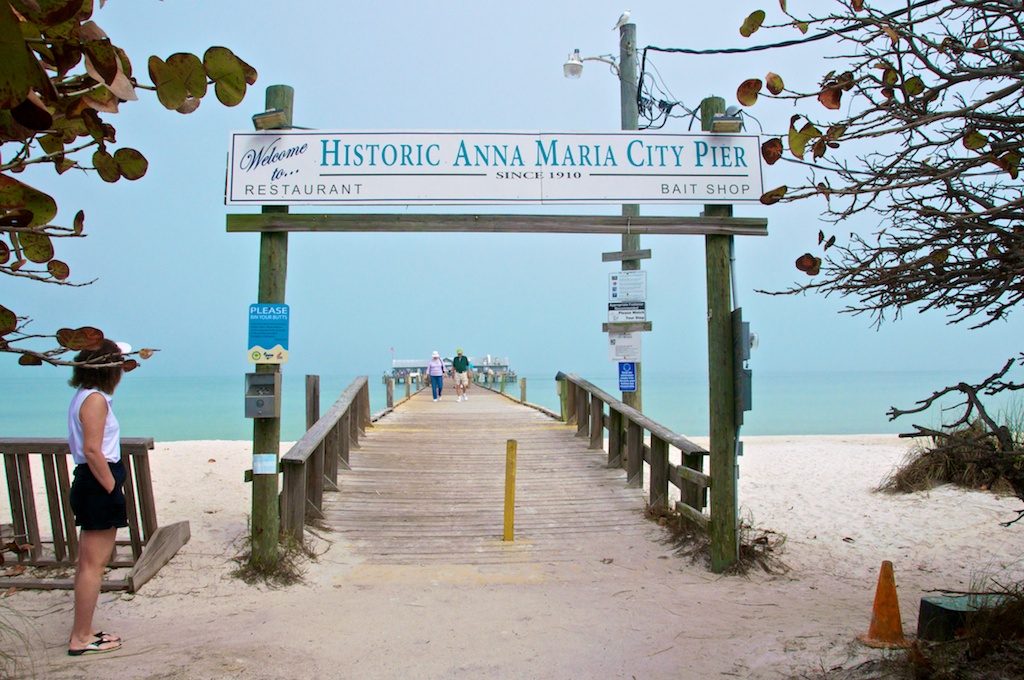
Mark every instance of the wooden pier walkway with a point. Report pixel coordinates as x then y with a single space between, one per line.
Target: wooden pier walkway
427 487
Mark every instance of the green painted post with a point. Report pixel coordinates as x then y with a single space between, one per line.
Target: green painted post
630 116
266 432
722 402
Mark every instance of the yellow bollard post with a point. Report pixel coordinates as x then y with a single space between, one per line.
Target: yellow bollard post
510 488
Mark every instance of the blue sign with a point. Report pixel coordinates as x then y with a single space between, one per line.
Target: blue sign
627 376
268 333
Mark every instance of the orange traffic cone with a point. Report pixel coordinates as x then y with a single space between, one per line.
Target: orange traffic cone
886 630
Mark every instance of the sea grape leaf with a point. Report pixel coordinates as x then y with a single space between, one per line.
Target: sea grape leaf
170 89
746 94
771 151
103 58
913 86
106 166
5 252
974 140
189 70
16 77
227 73
14 195
32 114
774 83
752 23
78 339
47 12
831 98
36 246
775 195
79 222
8 321
58 270
131 164
29 360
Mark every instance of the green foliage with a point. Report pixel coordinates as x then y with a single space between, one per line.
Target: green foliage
61 77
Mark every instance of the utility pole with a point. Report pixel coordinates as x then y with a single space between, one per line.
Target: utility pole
266 432
721 375
630 121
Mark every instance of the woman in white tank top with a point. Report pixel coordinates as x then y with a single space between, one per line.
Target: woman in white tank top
97 498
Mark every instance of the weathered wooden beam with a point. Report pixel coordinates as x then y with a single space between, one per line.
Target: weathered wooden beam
626 326
533 224
626 255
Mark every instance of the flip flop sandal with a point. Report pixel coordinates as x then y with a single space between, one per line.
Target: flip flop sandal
95 648
109 637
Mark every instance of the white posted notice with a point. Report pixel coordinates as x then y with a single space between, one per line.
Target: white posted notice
624 346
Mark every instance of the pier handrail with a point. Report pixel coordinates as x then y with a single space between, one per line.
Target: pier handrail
584 403
311 464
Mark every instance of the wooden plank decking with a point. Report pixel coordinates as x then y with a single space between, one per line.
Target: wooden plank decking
427 487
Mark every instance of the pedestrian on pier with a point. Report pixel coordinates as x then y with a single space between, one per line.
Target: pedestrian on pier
460 374
435 369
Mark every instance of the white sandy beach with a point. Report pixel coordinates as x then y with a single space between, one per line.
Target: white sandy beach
628 608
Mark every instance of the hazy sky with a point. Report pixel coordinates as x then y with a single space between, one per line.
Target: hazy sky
171 277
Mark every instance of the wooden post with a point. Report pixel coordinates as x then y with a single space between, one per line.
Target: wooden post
596 423
614 438
630 118
522 390
390 402
266 432
582 424
659 472
634 455
510 489
722 401
563 387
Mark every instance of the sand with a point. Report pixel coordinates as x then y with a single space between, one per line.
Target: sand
629 607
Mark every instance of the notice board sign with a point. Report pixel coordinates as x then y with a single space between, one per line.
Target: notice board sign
627 376
627 286
268 333
324 167
624 346
625 312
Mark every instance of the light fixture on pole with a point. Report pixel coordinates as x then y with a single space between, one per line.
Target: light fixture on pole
271 119
730 121
573 67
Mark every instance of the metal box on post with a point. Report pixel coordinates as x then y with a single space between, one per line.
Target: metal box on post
263 395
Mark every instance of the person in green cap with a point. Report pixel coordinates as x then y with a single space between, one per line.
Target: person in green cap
460 374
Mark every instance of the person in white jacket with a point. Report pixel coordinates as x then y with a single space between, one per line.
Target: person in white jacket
435 369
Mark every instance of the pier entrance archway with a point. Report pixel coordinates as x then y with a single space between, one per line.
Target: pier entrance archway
716 224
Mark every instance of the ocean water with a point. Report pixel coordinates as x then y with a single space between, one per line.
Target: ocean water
191 408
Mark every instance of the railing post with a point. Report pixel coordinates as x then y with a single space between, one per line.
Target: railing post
581 412
634 455
614 438
659 472
345 438
332 451
390 392
522 390
562 387
293 515
596 422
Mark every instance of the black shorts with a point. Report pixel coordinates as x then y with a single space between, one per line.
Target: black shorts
94 508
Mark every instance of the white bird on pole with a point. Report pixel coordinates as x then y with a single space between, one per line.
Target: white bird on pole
623 19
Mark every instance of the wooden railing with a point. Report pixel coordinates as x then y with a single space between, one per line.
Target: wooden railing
584 404
311 465
147 548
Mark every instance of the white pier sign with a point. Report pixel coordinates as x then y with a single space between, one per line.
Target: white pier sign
304 167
